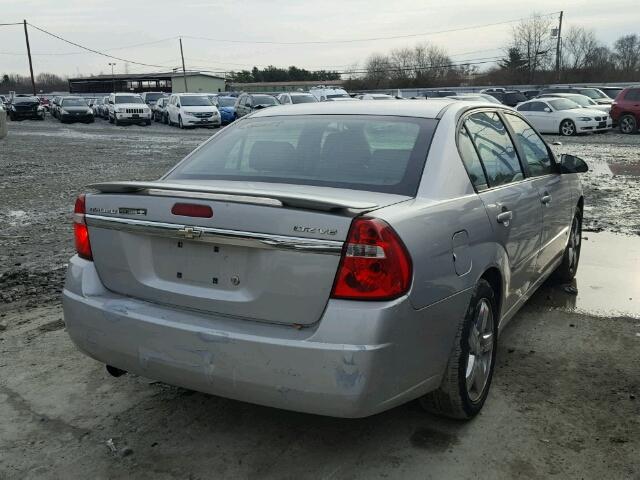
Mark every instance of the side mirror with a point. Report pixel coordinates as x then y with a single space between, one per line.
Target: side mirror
547 109
572 164
178 105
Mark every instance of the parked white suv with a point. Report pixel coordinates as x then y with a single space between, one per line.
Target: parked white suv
192 110
128 108
325 94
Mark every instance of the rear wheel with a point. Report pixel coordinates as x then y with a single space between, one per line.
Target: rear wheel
466 381
567 128
569 266
627 124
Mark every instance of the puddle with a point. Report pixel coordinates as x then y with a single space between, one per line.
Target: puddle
608 279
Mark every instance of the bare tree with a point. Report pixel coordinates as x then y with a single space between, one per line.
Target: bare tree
627 53
377 67
532 38
579 45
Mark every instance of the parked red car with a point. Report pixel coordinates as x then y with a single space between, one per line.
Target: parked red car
625 110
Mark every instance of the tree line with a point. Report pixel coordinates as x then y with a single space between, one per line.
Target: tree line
276 74
529 58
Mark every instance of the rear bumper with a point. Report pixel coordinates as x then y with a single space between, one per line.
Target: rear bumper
360 359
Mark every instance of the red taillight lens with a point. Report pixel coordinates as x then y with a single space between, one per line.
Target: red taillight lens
375 264
192 210
80 230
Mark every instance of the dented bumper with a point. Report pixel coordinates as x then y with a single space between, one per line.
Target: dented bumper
360 359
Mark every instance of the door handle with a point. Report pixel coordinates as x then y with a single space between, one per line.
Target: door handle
505 217
545 199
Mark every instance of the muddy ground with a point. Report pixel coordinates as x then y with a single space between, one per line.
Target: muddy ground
564 402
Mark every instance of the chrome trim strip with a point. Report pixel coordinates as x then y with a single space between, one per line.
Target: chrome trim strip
216 235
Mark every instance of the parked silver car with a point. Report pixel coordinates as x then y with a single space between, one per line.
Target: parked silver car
338 258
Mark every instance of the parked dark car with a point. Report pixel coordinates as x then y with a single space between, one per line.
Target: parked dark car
611 92
248 102
21 108
625 110
510 98
594 94
226 107
531 94
75 109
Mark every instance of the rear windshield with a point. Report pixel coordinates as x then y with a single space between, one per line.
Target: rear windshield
374 153
592 93
612 92
226 101
152 97
303 99
264 100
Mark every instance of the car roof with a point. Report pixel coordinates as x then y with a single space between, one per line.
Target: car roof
401 108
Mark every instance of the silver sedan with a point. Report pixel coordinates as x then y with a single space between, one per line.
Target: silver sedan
337 258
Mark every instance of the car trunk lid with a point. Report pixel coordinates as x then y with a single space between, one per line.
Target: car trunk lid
267 253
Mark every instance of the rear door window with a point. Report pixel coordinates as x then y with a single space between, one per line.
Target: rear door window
471 160
633 94
534 148
495 148
362 152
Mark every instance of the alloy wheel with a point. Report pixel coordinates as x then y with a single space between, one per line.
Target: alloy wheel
627 124
481 346
573 249
567 128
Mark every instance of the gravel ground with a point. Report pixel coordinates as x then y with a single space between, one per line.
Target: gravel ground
563 403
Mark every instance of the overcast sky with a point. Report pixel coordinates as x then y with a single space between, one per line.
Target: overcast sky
118 27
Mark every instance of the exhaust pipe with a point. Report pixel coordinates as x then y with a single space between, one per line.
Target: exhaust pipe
115 372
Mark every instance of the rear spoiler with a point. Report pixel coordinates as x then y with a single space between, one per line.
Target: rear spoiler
239 195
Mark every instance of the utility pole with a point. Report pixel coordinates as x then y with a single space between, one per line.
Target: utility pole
558 47
113 79
184 72
26 36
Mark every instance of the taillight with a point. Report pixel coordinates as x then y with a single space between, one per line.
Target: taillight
80 230
375 264
192 210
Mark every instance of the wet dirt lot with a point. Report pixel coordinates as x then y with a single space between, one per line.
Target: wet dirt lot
563 402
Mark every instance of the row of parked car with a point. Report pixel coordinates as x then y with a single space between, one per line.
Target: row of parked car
558 110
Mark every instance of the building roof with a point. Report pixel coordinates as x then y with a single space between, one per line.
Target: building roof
193 74
139 76
310 83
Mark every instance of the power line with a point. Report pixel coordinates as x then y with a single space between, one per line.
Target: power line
371 39
92 50
7 24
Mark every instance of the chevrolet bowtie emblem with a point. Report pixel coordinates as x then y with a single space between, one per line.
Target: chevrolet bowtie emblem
190 232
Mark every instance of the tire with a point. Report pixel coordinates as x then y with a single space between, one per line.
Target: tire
462 393
116 121
566 271
567 128
110 119
147 122
627 124
180 125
